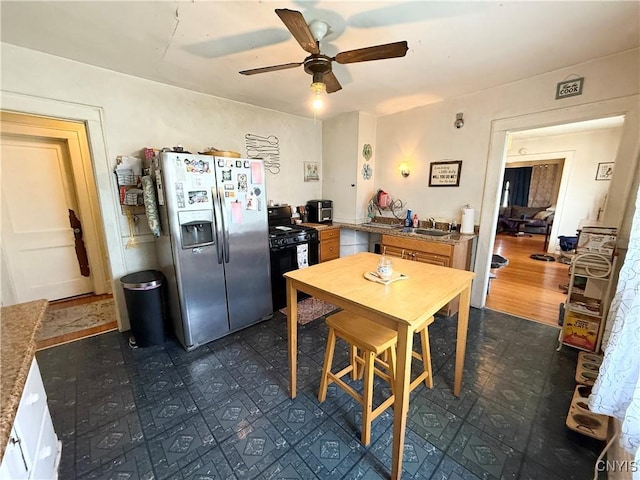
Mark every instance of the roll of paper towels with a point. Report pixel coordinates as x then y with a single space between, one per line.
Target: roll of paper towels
466 224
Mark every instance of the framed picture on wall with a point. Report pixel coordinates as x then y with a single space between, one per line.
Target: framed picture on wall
445 174
311 171
605 171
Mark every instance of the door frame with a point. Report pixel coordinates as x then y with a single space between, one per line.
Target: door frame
74 136
620 188
93 119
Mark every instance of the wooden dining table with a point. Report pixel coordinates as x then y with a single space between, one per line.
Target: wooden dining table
401 305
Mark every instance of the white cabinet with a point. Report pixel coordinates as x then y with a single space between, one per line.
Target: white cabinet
33 450
587 304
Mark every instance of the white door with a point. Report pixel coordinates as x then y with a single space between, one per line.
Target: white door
38 242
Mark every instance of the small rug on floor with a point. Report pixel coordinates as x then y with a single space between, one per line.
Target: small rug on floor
67 320
311 308
498 261
542 257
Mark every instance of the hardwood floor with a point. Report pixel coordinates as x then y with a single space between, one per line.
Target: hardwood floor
88 332
527 288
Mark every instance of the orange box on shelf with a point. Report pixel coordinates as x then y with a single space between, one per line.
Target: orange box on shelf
580 331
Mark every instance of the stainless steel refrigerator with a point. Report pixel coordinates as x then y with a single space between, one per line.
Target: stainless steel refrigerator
214 246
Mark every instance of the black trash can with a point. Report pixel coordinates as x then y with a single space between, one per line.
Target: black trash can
143 293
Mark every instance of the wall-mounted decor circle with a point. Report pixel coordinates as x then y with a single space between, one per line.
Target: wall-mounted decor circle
367 171
367 151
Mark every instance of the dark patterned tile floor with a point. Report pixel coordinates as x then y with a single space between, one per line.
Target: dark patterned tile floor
223 412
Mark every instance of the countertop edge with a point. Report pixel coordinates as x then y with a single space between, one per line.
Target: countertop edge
453 238
25 347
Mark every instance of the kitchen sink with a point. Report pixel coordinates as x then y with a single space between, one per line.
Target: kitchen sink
434 232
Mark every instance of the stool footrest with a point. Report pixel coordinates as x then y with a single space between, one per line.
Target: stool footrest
347 388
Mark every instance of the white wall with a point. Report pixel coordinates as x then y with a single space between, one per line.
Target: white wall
427 134
582 194
365 187
343 139
339 147
137 113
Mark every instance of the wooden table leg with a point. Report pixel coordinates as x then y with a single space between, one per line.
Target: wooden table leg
292 336
401 404
461 342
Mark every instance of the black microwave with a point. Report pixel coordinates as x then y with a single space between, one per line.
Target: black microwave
320 211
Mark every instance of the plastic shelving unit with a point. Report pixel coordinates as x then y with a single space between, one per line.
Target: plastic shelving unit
587 301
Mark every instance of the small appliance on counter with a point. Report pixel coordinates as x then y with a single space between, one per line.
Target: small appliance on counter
320 211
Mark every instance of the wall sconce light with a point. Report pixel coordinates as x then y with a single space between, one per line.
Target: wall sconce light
459 123
404 169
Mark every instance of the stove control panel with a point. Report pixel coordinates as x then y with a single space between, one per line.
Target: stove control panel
293 239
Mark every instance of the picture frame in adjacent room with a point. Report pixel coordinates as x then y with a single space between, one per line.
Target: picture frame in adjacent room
311 171
445 174
605 171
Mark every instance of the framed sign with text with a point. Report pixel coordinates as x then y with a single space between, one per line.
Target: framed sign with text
569 88
445 174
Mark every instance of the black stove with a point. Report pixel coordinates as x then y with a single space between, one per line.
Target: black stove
287 243
283 233
282 236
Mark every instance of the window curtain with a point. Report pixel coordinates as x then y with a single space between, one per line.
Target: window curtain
616 391
519 179
543 180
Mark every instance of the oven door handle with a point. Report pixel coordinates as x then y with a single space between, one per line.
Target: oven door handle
218 220
225 226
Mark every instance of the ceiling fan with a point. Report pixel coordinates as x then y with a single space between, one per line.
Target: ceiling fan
317 64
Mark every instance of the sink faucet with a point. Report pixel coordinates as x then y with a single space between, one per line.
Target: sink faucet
432 222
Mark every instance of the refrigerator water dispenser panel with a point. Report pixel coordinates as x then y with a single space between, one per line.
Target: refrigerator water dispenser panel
196 229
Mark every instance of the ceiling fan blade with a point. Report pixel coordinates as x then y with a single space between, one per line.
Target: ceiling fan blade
331 82
379 52
298 27
272 68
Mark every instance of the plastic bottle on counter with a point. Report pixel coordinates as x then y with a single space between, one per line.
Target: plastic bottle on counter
415 220
408 220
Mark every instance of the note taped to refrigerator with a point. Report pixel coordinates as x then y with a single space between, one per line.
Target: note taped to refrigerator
252 201
236 212
256 172
242 182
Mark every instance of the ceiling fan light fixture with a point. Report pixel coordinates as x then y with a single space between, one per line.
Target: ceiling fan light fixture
318 29
318 88
318 65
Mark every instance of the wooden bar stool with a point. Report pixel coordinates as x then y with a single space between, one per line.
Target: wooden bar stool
424 357
373 340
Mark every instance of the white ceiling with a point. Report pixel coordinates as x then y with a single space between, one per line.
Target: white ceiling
455 48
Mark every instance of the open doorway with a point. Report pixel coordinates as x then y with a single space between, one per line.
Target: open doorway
52 236
569 196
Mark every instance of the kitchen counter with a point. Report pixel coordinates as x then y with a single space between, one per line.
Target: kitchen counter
452 238
321 226
20 324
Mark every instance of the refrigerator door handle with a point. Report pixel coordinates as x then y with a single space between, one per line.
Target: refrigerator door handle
225 227
217 214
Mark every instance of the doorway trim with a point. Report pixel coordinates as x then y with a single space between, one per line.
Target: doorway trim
93 119
74 137
626 164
